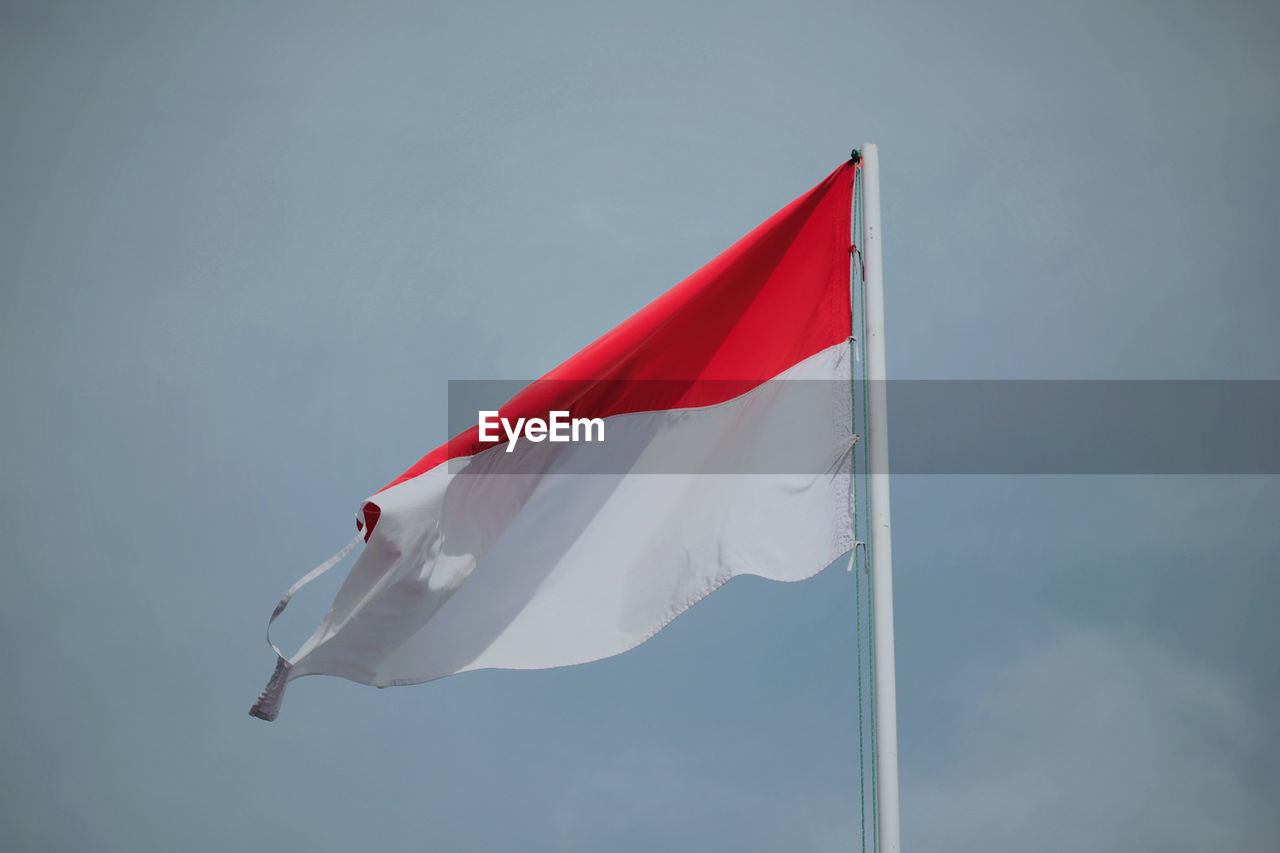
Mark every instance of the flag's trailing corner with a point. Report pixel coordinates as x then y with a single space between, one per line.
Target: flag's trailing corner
268 705
553 555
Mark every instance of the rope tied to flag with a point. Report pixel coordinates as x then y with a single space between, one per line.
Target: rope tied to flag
268 705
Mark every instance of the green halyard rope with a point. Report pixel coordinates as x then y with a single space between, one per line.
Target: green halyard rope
857 571
862 773
862 428
871 615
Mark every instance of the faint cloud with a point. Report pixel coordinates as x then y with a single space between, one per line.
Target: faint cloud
1100 740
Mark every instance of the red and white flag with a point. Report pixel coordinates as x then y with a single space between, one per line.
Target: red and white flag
714 454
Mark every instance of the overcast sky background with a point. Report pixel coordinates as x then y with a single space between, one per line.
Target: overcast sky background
244 246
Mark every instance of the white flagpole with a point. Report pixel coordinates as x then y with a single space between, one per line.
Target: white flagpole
881 548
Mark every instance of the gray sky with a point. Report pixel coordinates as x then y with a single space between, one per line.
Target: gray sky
243 247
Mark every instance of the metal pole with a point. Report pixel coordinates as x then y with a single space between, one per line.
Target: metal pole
881 548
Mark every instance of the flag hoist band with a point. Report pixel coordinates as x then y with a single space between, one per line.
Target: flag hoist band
559 554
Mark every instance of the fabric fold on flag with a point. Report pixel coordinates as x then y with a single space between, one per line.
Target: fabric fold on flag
727 450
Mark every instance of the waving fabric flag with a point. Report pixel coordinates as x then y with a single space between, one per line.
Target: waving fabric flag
720 456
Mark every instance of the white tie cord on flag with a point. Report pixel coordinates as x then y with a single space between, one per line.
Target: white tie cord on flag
854 553
268 705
